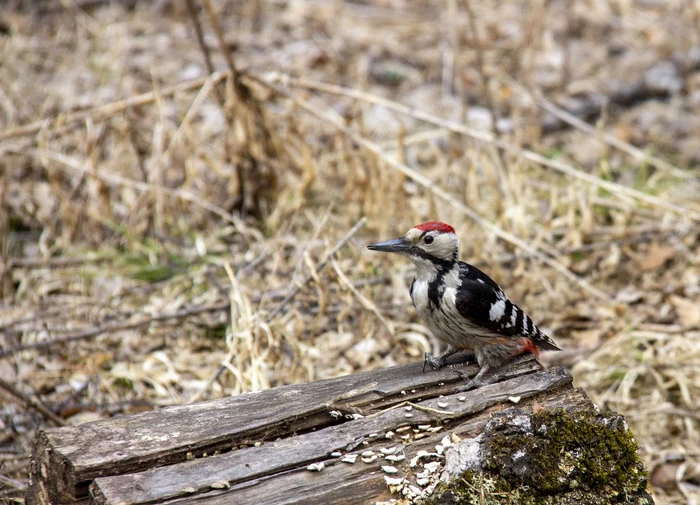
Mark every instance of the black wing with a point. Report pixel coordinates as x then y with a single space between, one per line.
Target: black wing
485 304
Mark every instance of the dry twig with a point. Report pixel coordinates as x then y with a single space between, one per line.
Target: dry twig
444 195
32 402
489 138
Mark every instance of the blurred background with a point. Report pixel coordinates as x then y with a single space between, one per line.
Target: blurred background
187 189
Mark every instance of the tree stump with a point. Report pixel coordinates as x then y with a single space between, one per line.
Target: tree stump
389 434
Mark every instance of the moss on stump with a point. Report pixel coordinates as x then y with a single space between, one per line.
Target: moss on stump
547 457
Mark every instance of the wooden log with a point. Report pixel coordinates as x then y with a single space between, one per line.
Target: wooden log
258 444
297 452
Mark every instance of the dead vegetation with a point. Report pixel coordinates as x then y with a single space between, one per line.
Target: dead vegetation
167 229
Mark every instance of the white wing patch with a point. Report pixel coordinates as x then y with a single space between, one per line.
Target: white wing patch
497 310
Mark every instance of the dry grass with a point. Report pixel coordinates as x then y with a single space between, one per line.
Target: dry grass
174 226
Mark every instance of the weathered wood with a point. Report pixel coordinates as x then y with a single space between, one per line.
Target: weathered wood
259 444
66 460
62 467
343 484
155 485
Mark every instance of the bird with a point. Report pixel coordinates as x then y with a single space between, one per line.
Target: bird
463 306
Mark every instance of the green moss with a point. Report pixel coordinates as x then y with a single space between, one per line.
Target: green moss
561 458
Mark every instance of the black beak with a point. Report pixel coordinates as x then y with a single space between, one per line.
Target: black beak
398 245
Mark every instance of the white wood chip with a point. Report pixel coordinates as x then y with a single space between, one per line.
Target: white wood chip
415 491
432 466
393 481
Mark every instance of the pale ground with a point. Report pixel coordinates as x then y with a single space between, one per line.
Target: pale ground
132 209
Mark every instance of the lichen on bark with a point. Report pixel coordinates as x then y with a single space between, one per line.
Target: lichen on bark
553 457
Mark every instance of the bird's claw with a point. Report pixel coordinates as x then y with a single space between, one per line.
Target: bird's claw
472 384
481 379
435 363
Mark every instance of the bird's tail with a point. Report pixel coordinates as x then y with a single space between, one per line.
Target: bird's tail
544 342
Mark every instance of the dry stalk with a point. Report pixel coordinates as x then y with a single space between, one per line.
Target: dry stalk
199 33
113 327
444 195
364 301
489 138
296 289
34 403
109 109
116 180
609 138
501 167
226 363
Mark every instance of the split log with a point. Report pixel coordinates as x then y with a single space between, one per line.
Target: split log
297 443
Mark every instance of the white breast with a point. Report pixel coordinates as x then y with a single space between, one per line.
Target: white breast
419 295
445 323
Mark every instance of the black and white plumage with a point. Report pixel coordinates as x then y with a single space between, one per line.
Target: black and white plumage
462 305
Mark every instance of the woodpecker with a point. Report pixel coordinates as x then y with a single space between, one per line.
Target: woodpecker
462 305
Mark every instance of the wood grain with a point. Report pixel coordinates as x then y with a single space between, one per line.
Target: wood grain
143 458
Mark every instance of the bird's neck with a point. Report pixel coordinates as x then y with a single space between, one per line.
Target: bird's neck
429 270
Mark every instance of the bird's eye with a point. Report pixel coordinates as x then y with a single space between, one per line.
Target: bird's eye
428 239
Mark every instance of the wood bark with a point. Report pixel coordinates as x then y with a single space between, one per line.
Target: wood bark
255 447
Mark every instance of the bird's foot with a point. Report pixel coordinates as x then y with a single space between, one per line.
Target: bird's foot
483 378
472 384
435 363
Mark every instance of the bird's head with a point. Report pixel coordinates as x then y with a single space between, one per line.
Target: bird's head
432 245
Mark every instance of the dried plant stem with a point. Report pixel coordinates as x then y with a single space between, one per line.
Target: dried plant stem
32 402
367 304
453 126
444 195
199 33
113 327
109 109
623 146
296 289
213 19
226 363
608 138
501 167
117 180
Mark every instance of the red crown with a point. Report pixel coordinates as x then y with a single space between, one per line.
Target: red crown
435 226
